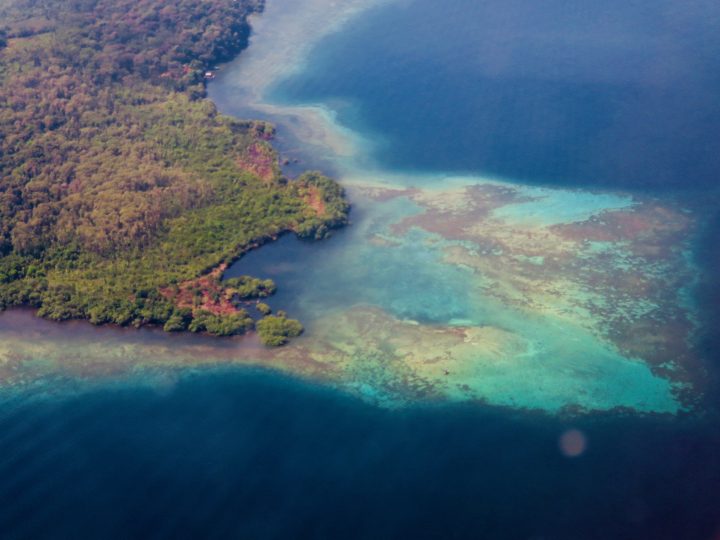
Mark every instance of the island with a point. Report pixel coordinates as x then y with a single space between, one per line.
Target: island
124 194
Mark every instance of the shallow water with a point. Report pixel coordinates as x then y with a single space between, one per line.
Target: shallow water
526 259
570 287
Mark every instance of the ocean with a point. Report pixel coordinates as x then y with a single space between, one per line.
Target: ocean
516 337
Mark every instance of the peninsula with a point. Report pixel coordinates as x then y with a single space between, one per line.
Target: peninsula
124 194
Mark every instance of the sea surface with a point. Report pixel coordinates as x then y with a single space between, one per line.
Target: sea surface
515 338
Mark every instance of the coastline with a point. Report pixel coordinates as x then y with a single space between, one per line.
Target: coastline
513 337
283 36
494 332
552 208
158 190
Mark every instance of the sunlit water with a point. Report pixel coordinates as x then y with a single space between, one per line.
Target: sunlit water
534 192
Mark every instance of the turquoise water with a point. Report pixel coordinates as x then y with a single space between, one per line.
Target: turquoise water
323 275
382 114
615 102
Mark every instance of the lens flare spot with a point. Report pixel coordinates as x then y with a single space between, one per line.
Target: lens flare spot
573 443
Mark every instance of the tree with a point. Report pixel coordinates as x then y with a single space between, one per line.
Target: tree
119 183
275 330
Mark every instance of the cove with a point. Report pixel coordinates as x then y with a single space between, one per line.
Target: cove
559 297
447 287
567 275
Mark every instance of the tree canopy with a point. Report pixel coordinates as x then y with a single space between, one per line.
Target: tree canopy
277 330
118 179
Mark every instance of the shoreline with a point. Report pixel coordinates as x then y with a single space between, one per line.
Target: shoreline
284 45
371 346
590 203
114 249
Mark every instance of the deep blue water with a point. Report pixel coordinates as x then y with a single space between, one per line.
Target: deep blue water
587 93
255 455
592 92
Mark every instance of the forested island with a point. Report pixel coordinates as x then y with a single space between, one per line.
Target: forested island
124 195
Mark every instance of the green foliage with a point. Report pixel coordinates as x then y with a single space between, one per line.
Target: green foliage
59 303
116 178
14 267
178 321
263 308
247 287
227 325
332 197
277 330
